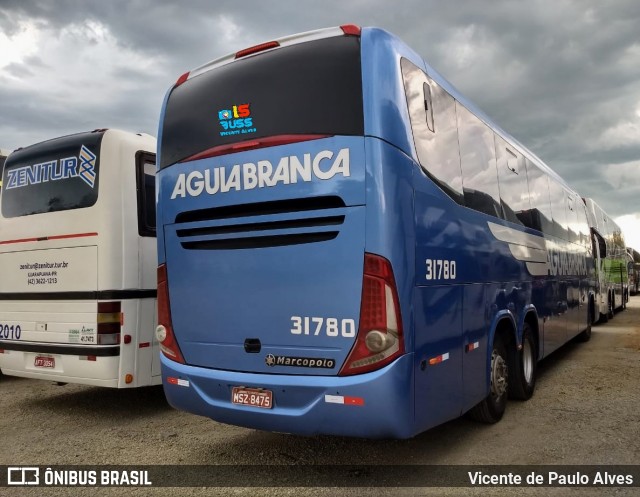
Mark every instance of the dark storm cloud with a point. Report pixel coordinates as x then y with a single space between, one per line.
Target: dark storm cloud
562 76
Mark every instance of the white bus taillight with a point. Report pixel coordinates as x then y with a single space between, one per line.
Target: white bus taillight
379 340
164 331
109 323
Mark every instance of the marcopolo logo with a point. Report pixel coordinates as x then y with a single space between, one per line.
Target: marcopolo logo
236 120
82 167
299 362
323 165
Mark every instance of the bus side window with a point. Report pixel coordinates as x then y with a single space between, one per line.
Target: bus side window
573 221
512 177
146 186
478 159
540 216
435 132
559 209
583 223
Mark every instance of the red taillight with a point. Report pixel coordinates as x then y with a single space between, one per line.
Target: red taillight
181 79
110 320
379 340
164 331
257 48
351 29
271 141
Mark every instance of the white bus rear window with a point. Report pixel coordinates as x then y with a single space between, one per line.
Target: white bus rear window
51 176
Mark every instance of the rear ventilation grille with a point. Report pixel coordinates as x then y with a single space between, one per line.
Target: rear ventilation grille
273 225
261 209
261 225
260 241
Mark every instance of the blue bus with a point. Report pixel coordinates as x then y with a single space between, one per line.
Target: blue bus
348 246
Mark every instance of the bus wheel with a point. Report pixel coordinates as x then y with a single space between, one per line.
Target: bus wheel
585 335
603 318
491 409
523 367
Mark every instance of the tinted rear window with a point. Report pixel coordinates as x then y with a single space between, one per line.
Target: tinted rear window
308 88
51 176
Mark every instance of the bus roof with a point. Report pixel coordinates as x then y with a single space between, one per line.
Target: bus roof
399 46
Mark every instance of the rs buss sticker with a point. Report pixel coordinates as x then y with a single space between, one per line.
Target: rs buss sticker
236 120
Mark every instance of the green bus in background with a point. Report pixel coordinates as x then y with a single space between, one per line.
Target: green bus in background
611 259
634 271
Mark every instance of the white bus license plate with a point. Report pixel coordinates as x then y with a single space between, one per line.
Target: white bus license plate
44 362
252 397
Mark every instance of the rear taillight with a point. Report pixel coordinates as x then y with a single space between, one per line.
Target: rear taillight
164 331
110 322
379 340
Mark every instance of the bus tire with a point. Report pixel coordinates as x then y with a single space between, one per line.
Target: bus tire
491 409
604 318
523 367
611 306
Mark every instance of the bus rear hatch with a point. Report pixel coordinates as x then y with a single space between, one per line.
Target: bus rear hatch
263 189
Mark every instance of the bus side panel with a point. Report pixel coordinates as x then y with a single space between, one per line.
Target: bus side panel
553 306
475 344
139 358
390 225
438 330
382 82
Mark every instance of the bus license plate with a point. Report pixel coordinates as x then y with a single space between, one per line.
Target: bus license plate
44 362
253 397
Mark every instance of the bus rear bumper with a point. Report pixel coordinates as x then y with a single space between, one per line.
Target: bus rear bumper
102 372
372 405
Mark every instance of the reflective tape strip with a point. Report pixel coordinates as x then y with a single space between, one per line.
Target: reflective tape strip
45 238
472 346
177 381
340 399
437 360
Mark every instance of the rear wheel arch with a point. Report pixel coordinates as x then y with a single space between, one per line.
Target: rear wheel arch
523 360
501 340
531 318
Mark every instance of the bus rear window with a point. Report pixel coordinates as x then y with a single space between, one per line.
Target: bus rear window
308 88
55 175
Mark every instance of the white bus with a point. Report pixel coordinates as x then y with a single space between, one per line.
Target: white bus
78 258
3 157
610 256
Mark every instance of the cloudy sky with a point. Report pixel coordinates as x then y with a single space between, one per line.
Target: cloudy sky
561 76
